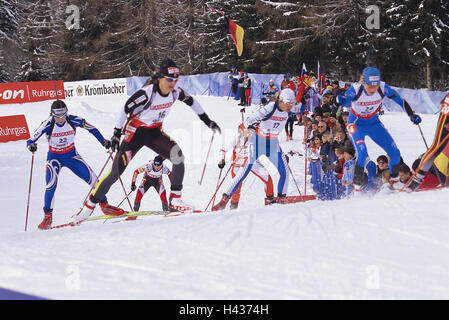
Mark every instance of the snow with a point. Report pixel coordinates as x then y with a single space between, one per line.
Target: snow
384 247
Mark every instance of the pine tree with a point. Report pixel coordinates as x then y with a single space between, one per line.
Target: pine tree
430 29
9 26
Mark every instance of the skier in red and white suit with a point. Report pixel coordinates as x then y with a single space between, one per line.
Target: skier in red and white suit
239 146
152 178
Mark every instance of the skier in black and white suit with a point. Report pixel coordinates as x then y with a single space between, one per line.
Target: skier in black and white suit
141 122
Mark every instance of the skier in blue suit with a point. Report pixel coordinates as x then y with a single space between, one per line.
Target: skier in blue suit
60 130
365 99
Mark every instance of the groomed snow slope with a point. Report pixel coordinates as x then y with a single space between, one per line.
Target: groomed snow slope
384 247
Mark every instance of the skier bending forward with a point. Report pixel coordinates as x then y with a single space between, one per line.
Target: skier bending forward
153 178
266 124
239 146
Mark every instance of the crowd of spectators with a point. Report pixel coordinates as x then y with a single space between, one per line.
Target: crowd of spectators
330 154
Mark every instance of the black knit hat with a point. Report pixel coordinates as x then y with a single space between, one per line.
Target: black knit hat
158 160
168 68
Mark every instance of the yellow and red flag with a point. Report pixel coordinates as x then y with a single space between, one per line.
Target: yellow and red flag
236 31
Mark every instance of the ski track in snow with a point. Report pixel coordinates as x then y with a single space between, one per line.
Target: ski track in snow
383 247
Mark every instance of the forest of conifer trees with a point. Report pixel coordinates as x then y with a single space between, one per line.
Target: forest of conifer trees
86 39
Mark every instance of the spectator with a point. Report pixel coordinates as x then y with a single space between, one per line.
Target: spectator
242 88
247 86
340 138
348 169
382 166
234 80
322 127
343 120
404 173
338 167
271 90
286 82
332 123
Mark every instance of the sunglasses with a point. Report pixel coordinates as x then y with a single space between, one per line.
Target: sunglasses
170 79
321 127
381 162
61 116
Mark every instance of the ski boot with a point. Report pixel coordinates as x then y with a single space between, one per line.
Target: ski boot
270 200
176 203
282 199
48 219
234 205
222 204
110 210
85 212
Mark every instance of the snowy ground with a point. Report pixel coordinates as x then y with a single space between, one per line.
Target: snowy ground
389 247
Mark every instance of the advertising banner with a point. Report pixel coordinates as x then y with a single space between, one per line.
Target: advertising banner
13 128
24 92
95 88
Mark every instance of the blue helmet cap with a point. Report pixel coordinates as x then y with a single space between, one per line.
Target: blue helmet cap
233 67
371 76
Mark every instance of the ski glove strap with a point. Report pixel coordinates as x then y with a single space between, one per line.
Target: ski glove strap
32 147
115 140
415 119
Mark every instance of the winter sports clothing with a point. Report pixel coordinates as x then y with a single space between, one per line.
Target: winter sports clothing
152 178
140 121
62 152
438 153
364 120
267 122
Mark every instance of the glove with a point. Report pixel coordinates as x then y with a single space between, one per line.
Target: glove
214 126
115 140
208 122
415 119
221 164
106 144
242 110
251 128
133 187
32 147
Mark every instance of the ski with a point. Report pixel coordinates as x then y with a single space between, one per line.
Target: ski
64 225
291 199
128 214
183 213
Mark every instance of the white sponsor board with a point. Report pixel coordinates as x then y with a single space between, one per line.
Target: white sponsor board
95 88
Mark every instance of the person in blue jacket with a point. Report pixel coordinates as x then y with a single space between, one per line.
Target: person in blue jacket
365 99
60 128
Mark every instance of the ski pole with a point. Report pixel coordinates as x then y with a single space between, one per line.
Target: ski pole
291 172
98 176
218 187
29 191
218 181
93 184
207 156
123 186
124 198
422 135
